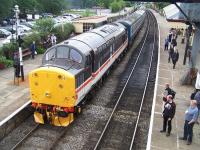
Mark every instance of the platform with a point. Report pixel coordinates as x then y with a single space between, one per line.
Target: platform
12 96
157 140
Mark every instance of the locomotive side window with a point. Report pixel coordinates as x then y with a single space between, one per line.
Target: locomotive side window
79 79
51 54
75 56
62 52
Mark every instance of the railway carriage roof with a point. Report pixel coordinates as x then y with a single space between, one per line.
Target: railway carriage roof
132 18
109 31
95 38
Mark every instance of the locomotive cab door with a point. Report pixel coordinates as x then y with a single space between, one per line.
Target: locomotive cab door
88 67
92 61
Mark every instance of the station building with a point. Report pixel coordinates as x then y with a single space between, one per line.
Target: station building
87 23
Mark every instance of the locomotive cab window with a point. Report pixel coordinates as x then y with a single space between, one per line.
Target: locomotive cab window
51 54
62 52
75 56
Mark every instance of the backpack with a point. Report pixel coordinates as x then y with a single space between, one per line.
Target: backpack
173 93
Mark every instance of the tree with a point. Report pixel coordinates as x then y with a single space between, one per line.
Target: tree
5 8
44 26
62 32
52 6
27 6
161 5
117 5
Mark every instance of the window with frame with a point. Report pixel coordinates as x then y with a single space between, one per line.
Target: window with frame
79 80
51 54
87 27
62 52
75 56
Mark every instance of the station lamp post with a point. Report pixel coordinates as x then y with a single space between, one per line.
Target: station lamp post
19 40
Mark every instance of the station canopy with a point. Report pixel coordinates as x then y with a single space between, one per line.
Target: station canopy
173 14
192 11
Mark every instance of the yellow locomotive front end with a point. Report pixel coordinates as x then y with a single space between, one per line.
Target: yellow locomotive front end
53 95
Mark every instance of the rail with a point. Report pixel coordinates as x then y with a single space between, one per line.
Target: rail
122 92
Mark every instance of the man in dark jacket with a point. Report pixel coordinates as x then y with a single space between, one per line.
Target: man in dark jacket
16 64
175 57
33 50
174 43
168 115
170 51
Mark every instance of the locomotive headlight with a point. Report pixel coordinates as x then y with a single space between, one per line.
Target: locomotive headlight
47 94
60 86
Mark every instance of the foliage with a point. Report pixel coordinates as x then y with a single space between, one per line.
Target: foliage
117 5
32 6
92 3
88 3
86 13
160 5
52 6
27 6
6 62
8 50
30 38
40 50
62 33
44 26
5 8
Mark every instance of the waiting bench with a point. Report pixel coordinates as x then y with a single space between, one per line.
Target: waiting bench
26 52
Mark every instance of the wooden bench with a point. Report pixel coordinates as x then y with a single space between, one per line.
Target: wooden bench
26 52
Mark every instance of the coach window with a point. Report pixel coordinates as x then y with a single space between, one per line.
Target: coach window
51 54
75 56
62 52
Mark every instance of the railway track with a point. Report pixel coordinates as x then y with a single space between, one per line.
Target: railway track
73 137
40 137
121 128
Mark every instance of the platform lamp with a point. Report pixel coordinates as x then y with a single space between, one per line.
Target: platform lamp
19 40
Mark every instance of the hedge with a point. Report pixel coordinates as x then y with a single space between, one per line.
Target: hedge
7 50
63 32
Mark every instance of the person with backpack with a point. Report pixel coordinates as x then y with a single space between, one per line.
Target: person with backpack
167 91
168 115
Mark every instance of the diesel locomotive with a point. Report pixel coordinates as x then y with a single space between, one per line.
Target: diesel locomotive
71 69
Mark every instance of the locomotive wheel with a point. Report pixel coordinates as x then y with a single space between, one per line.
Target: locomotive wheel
78 110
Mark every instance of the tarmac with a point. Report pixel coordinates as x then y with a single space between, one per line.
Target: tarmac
166 74
13 96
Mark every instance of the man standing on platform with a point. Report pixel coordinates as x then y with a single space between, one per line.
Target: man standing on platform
191 116
168 115
33 50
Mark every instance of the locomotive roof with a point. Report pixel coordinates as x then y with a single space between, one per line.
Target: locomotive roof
86 41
